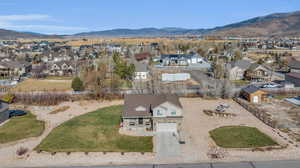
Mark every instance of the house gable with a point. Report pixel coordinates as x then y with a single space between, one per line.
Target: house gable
167 109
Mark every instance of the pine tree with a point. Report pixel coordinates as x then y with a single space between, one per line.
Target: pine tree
77 84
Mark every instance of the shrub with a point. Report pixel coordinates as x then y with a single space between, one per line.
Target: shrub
21 151
9 98
77 84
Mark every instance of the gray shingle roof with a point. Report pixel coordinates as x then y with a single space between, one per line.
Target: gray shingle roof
15 64
3 106
251 89
254 66
149 102
294 75
243 64
294 64
140 67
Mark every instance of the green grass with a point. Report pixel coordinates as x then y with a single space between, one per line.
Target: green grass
280 97
94 132
240 137
241 82
126 84
20 128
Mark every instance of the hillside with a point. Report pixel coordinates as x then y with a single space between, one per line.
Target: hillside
12 35
278 24
145 32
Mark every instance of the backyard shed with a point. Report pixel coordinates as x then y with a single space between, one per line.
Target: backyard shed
253 94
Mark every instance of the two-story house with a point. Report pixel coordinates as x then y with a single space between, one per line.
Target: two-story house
14 69
62 68
236 70
294 66
258 72
158 113
141 71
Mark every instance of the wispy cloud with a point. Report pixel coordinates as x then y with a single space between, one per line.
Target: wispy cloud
31 17
13 22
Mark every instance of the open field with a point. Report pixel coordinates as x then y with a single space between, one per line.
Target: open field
94 132
59 77
240 137
43 85
20 128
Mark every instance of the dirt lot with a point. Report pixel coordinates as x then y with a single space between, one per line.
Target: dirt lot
197 125
286 114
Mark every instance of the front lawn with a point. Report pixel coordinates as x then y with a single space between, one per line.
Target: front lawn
94 132
20 128
240 137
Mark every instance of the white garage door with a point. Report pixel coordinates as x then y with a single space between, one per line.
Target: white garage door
167 127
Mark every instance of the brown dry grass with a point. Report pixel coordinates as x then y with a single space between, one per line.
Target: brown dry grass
60 109
257 56
30 85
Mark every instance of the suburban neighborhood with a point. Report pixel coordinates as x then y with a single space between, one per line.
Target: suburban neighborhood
226 96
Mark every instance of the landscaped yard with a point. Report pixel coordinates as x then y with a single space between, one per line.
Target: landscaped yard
94 132
240 137
43 85
20 128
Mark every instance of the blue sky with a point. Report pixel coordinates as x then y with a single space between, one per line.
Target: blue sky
72 16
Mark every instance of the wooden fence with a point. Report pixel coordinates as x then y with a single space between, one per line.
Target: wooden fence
259 113
292 92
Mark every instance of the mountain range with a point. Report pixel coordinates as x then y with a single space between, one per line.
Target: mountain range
12 35
278 24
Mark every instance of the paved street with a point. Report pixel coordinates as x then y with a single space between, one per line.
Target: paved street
167 145
263 164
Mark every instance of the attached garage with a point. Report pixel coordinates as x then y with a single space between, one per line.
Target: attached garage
166 127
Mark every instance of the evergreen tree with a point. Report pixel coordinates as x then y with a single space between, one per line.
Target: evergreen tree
77 84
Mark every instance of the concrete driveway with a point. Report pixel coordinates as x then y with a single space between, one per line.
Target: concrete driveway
167 145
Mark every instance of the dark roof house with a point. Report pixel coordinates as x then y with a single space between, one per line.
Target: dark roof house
294 78
146 102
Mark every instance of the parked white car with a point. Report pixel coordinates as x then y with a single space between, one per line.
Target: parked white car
270 85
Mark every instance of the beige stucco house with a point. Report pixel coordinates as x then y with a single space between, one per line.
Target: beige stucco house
158 113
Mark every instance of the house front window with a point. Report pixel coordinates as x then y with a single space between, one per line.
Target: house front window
159 113
173 113
141 121
132 124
